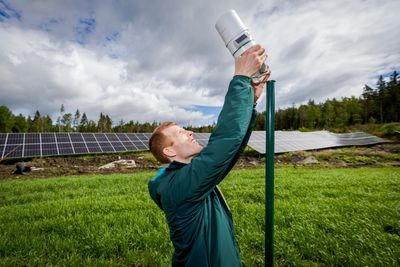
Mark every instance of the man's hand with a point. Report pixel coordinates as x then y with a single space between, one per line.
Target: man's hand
258 88
250 61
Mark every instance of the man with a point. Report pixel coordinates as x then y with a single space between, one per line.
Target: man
200 222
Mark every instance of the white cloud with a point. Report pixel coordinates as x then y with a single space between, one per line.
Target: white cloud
322 49
157 60
39 74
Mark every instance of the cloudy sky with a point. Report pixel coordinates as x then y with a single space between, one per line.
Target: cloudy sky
163 60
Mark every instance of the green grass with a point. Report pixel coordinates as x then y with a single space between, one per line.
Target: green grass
323 217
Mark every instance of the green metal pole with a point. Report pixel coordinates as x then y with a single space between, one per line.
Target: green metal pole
269 174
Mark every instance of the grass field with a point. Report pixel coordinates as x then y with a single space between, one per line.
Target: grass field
323 217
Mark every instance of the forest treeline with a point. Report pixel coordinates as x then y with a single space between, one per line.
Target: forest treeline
375 105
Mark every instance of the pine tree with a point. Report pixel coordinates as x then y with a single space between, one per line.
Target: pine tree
82 127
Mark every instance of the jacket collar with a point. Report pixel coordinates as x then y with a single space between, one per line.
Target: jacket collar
175 165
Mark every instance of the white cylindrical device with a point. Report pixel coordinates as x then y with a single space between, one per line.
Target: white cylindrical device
237 38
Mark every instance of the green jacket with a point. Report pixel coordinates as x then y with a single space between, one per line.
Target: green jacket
200 222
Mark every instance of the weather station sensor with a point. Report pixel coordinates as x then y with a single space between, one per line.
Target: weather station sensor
237 39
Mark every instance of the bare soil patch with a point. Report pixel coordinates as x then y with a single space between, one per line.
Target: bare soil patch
373 156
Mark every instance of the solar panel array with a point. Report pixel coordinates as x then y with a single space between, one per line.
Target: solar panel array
19 145
287 141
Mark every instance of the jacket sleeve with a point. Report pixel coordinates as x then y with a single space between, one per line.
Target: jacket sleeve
245 141
229 138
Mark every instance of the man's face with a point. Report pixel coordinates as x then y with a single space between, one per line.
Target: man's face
183 143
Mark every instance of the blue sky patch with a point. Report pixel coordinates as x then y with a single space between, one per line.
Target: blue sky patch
207 110
50 25
7 12
84 28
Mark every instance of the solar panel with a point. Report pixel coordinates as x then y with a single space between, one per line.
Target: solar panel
79 148
65 149
93 147
112 137
31 150
76 137
286 141
3 138
118 146
13 151
18 145
100 137
15 138
130 146
89 137
48 138
32 138
123 137
50 149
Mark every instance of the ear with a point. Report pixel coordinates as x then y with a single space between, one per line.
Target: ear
169 152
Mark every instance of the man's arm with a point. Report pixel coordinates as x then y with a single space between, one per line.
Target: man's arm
229 138
207 169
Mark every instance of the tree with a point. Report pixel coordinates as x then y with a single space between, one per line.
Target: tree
67 122
394 97
76 119
20 124
82 127
91 127
328 112
6 119
60 118
47 124
382 96
368 98
105 124
36 125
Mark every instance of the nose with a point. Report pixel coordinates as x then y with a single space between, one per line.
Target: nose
188 133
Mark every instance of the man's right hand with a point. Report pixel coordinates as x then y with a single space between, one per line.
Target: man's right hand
250 61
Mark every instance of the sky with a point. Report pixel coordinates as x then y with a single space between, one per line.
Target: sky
163 60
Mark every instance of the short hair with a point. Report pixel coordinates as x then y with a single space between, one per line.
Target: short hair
158 141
